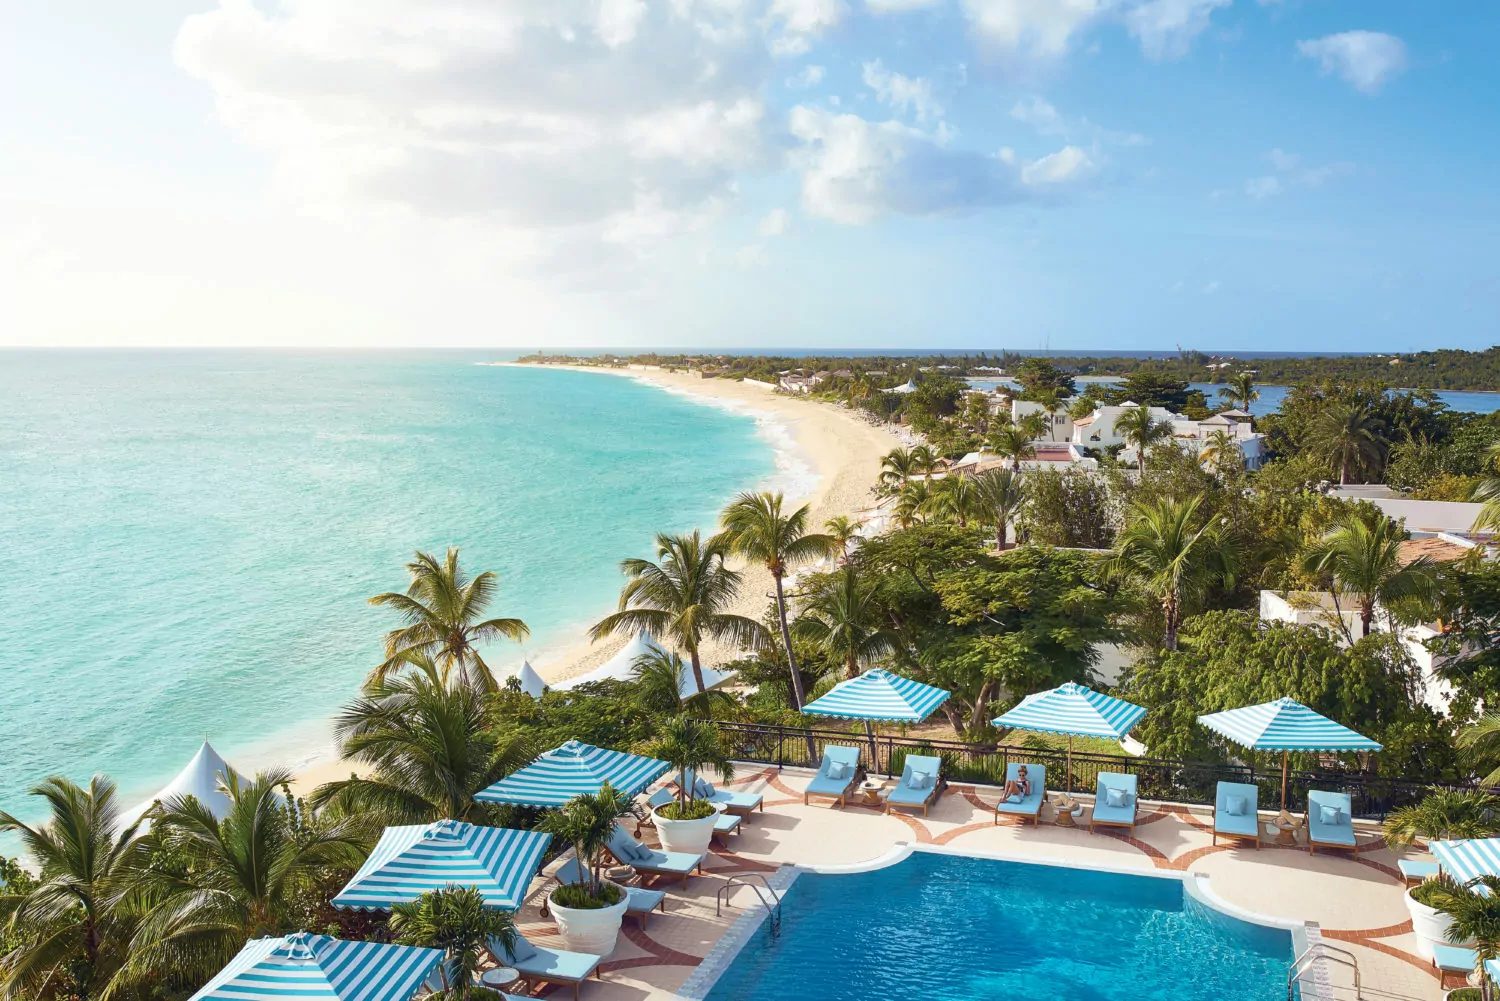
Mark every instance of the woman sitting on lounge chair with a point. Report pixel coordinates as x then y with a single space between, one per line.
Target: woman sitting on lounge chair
1019 786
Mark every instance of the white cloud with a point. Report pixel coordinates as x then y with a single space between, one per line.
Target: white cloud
1166 28
1365 59
1040 28
897 6
775 223
902 92
1039 113
1211 287
801 21
856 171
578 120
810 76
1290 172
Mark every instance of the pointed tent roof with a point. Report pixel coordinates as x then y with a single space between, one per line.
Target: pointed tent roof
1285 725
1074 710
531 682
558 775
412 860
306 967
201 779
621 667
906 387
879 695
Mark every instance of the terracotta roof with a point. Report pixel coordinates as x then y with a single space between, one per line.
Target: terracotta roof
1434 549
1083 423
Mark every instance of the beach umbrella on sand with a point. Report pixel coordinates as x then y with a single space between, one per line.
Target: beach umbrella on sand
412 860
1285 725
307 967
1076 711
573 769
878 696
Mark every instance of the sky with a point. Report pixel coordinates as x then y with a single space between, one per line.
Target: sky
1000 174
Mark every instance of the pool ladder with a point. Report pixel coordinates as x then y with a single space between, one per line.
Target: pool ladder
762 891
1325 951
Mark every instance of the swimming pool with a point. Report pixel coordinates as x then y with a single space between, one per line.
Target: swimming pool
940 927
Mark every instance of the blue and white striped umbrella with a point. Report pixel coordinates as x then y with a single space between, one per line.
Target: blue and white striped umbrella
306 967
1285 725
571 770
881 696
411 861
1468 859
1074 710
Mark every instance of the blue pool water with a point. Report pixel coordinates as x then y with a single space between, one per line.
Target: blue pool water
947 928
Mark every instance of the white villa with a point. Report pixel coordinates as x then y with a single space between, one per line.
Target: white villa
1098 430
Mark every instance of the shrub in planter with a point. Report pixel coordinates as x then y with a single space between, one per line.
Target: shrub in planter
455 920
581 898
685 744
588 912
694 809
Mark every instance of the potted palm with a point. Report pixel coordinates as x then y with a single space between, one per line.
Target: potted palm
1443 815
588 913
1474 910
455 920
687 825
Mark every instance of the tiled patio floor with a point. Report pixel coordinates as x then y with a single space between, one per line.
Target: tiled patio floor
1357 902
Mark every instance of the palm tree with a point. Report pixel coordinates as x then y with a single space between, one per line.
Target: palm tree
1444 815
844 619
456 920
897 468
1364 561
683 598
233 880
428 749
659 675
690 745
1349 436
72 925
758 531
1475 910
1012 442
444 614
925 461
1173 555
1140 431
587 822
844 531
1000 493
1241 391
954 498
1481 740
1220 449
1487 491
912 503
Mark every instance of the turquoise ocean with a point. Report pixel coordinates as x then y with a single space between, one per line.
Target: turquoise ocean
189 537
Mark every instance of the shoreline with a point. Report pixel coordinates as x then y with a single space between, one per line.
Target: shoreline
826 457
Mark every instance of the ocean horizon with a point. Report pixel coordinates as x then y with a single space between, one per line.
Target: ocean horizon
194 534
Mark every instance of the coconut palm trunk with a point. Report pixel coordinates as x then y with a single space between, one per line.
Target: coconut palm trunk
799 697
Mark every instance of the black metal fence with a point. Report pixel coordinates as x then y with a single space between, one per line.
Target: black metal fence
1158 779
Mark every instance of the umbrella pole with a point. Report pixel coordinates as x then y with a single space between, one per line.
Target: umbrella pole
874 756
1284 756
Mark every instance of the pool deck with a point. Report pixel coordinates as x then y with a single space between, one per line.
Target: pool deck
1358 903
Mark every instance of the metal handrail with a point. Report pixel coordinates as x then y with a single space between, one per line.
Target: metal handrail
1325 951
773 908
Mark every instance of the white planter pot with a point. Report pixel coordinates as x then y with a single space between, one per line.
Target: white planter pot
690 836
1430 925
592 930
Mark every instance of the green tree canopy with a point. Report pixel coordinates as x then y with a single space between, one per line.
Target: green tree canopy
1040 379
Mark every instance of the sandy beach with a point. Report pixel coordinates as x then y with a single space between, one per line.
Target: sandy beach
830 462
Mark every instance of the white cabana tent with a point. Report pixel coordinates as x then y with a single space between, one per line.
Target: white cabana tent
621 667
906 387
531 682
199 779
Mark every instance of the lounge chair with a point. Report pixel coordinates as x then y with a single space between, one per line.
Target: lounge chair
1414 872
1235 811
1330 821
740 804
652 861
921 783
1115 802
1453 961
725 825
553 966
837 775
1025 806
640 902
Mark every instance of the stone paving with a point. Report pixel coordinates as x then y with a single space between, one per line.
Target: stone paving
1358 902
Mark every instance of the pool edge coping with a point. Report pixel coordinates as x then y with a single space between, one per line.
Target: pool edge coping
724 952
